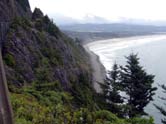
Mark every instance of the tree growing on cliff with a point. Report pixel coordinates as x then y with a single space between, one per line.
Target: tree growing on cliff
162 108
137 84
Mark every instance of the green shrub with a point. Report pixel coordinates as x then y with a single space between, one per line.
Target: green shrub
141 121
20 22
48 106
52 29
9 59
27 110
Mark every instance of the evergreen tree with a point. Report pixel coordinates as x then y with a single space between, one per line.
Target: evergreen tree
114 85
137 84
161 108
111 91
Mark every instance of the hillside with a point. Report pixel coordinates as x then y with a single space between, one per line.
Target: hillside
37 50
49 75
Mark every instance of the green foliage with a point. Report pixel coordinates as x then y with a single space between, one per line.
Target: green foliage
52 29
20 21
16 25
40 103
137 84
48 103
53 55
9 59
43 74
111 96
111 89
48 51
41 37
45 24
83 93
27 110
141 121
106 117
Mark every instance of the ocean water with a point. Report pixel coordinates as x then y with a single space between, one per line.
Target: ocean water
152 53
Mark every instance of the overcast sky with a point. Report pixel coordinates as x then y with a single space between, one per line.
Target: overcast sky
109 9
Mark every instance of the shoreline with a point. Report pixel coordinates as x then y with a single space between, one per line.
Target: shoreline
120 37
99 71
115 39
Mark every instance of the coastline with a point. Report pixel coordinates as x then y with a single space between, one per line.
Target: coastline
116 40
84 42
99 71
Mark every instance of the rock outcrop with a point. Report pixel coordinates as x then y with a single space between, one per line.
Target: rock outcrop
12 8
35 50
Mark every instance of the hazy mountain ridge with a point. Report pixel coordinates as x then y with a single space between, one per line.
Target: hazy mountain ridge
114 27
92 32
85 37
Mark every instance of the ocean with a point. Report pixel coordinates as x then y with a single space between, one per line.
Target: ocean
152 53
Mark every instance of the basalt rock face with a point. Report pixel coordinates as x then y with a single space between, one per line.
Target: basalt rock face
35 50
9 9
22 8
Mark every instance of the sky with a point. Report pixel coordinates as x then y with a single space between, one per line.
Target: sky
108 9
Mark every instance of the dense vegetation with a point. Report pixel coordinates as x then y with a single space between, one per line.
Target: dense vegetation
48 104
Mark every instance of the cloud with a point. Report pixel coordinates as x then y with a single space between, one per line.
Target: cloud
109 9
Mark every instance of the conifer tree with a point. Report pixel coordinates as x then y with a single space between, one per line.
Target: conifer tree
111 91
114 85
137 84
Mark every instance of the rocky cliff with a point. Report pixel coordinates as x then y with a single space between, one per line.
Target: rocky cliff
35 50
47 72
12 8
